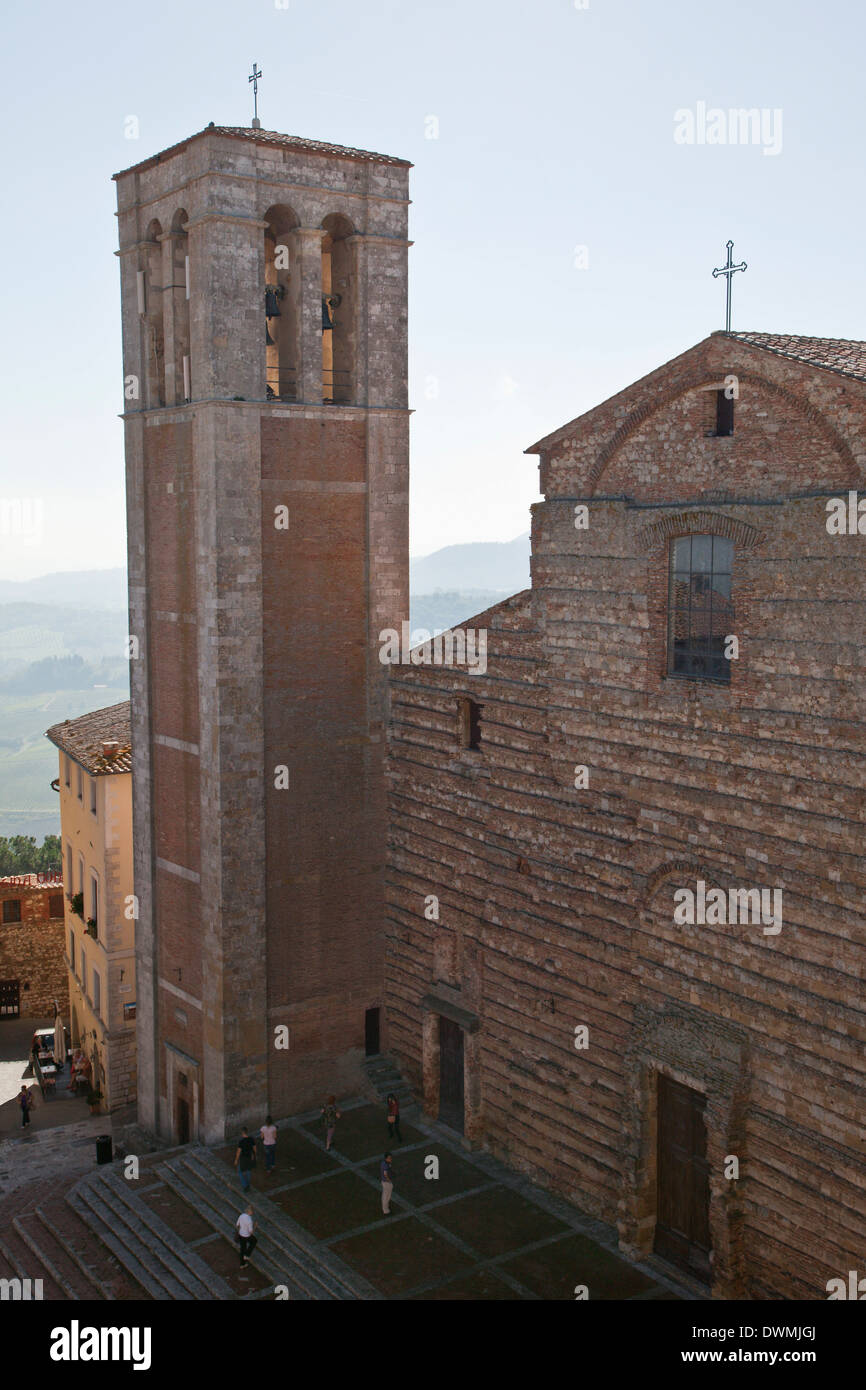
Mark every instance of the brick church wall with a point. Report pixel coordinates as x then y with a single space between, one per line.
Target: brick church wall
556 902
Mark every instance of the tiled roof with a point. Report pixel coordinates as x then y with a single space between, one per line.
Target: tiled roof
82 739
273 137
45 881
843 355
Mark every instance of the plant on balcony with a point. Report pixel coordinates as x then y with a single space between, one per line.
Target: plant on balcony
77 901
91 926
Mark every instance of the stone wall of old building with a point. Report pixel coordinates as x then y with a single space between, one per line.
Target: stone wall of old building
556 899
268 545
32 948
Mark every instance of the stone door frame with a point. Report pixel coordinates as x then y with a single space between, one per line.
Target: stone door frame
711 1057
177 1061
433 1008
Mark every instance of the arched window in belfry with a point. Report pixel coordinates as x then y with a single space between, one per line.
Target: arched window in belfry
281 291
150 307
337 311
177 303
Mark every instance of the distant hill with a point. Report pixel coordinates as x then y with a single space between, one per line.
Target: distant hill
493 566
71 588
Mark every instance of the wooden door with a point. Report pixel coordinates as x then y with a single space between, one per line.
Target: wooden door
451 1074
371 1032
683 1197
10 999
182 1120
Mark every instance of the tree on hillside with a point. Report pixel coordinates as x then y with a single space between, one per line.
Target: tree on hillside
20 854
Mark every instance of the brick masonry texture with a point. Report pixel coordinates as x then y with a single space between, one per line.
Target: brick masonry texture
260 906
556 903
32 951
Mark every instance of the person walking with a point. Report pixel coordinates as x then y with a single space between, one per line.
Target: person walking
245 1159
393 1118
386 1172
25 1100
245 1226
268 1134
330 1115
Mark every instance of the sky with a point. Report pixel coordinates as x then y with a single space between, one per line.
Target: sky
570 202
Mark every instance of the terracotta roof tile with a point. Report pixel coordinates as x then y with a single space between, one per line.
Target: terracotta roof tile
274 138
82 739
843 355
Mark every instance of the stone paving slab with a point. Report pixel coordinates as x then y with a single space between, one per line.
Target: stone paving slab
401 1254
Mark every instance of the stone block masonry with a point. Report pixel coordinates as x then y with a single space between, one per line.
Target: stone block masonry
555 893
32 946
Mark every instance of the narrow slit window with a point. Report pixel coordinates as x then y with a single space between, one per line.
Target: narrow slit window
724 414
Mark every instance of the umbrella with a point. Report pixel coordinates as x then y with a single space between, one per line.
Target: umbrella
59 1041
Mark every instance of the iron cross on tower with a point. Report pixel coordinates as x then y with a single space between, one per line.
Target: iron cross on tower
254 78
728 270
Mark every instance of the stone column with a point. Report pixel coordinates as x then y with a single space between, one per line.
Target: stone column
306 253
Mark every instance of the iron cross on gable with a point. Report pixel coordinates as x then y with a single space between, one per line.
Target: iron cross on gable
254 78
728 270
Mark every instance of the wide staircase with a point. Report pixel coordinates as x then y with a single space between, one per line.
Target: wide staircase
99 1237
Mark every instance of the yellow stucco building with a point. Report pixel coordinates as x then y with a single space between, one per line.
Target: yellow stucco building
95 786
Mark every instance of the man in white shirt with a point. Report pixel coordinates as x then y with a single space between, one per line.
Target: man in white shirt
245 1227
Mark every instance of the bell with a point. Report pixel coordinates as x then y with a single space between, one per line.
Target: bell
327 316
272 304
269 342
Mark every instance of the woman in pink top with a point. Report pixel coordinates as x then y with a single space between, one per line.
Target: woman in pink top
268 1132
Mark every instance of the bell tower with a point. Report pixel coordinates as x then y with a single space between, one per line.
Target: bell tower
264 293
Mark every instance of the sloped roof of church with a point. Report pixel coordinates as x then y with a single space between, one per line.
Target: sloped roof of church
83 738
845 356
271 137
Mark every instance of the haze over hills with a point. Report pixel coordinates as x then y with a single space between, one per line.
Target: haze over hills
71 588
492 566
63 653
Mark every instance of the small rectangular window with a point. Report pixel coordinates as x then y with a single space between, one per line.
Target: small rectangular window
68 772
724 414
128 1012
94 897
92 781
12 910
72 951
81 874
97 992
70 880
55 905
469 723
80 785
84 970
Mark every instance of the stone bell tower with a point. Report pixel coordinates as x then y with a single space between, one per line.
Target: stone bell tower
267 463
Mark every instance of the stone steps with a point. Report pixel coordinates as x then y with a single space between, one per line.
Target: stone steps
384 1077
23 1263
143 1243
67 1272
284 1253
84 1248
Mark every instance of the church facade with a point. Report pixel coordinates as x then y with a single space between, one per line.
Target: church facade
627 883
